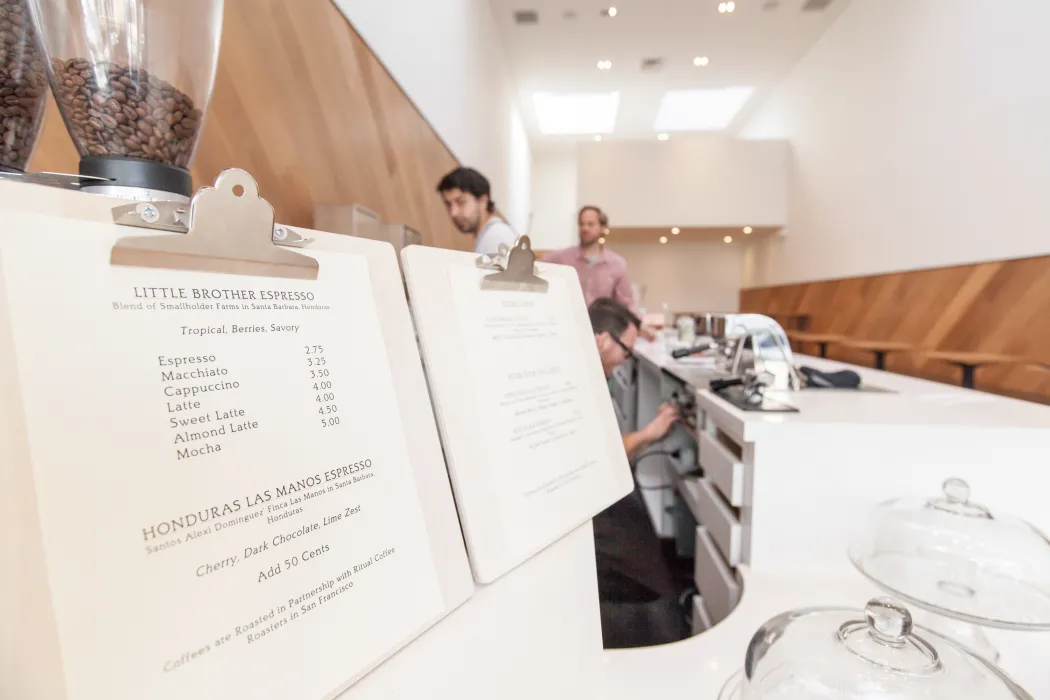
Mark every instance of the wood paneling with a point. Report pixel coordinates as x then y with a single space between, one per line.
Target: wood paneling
638 234
302 104
1000 307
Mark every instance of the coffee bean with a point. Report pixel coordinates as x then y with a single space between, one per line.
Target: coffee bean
23 85
132 113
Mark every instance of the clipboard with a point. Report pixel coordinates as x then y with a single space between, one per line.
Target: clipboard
501 529
253 246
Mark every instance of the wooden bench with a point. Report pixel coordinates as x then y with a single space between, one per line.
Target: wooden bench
821 340
880 348
970 361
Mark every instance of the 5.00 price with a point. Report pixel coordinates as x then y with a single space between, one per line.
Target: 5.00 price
329 422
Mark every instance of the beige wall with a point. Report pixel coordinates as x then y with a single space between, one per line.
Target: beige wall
694 276
920 139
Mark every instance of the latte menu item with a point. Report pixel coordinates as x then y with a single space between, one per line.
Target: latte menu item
225 504
530 435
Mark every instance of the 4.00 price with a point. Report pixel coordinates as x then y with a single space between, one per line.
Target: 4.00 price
325 398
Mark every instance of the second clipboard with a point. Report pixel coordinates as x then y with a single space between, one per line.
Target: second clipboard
529 433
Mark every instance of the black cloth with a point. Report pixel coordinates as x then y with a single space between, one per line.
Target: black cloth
639 603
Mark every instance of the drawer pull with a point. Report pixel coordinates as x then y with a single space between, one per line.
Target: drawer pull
724 469
715 580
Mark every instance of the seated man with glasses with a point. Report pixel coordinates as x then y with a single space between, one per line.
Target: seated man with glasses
615 331
637 590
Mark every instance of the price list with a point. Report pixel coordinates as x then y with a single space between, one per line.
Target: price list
323 385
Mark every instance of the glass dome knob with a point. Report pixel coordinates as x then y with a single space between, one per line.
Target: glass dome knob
888 622
956 490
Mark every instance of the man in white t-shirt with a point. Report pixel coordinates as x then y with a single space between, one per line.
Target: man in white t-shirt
468 199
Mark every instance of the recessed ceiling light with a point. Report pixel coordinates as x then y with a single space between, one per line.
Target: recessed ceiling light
662 137
604 65
663 239
728 239
747 230
601 241
612 12
606 231
675 231
576 113
701 61
700 110
724 7
597 137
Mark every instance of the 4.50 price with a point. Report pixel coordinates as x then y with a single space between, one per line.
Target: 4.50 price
328 410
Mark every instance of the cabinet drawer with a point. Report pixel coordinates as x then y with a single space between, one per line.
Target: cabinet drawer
713 513
701 618
715 580
723 468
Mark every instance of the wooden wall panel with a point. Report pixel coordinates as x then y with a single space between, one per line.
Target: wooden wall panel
996 307
302 104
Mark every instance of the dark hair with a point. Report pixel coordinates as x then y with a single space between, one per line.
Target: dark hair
612 317
602 218
470 181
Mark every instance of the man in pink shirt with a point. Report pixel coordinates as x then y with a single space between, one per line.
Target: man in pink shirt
603 273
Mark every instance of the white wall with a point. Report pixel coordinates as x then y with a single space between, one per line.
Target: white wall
919 130
687 276
448 59
554 200
687 181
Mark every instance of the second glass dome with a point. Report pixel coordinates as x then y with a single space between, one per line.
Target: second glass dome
956 558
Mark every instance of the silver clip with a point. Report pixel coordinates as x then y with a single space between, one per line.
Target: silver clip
287 236
516 268
159 216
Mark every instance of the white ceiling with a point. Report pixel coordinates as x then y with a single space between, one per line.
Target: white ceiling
752 46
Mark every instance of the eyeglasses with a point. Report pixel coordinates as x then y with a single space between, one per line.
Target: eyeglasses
623 346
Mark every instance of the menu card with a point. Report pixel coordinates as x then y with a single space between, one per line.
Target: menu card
225 500
527 422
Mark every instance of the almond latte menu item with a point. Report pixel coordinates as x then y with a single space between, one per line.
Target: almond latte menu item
226 503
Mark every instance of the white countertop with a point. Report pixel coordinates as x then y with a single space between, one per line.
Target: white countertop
700 666
910 402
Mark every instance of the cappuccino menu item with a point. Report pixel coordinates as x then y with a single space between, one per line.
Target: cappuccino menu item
530 434
225 502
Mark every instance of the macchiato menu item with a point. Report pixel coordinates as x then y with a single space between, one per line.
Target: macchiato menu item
225 501
530 436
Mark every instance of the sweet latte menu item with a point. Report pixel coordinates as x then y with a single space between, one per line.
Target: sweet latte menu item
225 502
528 425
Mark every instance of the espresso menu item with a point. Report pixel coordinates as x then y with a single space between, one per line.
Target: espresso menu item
114 110
23 85
224 493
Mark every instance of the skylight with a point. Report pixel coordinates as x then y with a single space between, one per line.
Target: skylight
700 110
576 113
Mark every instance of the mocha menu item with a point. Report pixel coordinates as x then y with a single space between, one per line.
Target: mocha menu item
224 496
